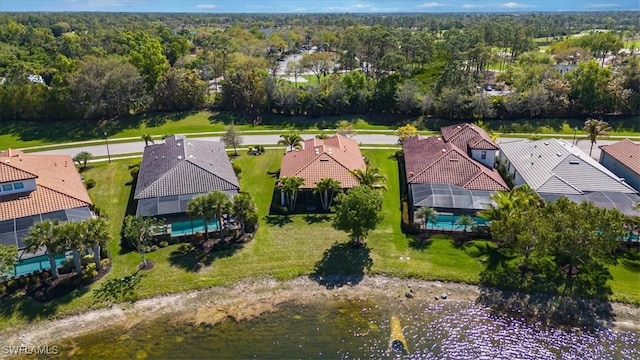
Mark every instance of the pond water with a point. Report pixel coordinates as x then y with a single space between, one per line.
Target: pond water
347 329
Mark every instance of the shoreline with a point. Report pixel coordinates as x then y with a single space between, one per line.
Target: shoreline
251 298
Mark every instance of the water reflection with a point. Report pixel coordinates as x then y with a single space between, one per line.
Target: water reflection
357 329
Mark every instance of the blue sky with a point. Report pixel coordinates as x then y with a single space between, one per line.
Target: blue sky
318 6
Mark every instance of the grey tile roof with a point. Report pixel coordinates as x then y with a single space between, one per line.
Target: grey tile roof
184 166
556 166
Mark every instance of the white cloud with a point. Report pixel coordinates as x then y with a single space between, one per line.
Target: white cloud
206 6
471 6
431 5
599 6
513 5
355 7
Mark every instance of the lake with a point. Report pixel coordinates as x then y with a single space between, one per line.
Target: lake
347 329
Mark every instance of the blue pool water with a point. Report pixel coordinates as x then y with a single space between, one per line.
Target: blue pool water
447 222
36 264
189 227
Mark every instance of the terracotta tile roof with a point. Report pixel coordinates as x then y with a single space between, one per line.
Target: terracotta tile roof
59 186
467 136
40 201
625 152
10 153
11 173
324 158
433 161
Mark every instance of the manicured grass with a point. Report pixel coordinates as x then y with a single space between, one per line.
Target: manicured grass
285 247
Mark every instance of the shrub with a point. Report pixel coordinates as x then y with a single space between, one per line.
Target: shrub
90 272
104 263
410 228
236 168
3 288
90 183
251 221
147 249
154 247
164 244
12 285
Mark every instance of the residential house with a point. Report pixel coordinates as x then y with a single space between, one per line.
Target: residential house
623 159
334 157
34 188
555 168
442 176
174 172
473 140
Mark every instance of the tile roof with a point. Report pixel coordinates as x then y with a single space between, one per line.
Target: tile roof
539 161
468 136
331 158
625 152
10 173
58 186
432 161
182 166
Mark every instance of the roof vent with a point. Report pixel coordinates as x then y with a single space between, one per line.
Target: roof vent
190 144
559 154
444 150
178 144
455 159
179 157
574 162
546 143
458 127
190 156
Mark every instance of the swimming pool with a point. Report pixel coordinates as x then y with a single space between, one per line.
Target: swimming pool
190 227
447 222
36 264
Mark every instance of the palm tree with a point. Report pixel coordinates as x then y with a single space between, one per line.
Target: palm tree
370 177
220 204
44 234
148 138
327 188
322 136
71 236
97 235
594 129
291 141
242 204
201 207
427 215
465 221
290 186
82 158
506 202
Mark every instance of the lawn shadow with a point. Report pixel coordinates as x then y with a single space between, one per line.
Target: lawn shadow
274 174
278 220
25 307
190 258
119 288
342 264
630 259
316 218
421 241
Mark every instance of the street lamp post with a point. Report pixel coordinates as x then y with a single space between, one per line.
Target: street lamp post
106 140
575 130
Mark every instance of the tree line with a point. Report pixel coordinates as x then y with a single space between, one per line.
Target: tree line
83 69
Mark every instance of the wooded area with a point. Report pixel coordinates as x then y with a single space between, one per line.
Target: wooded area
74 66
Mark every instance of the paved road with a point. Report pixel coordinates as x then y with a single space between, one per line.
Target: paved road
271 139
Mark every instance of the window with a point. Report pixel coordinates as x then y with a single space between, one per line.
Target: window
483 155
18 185
7 187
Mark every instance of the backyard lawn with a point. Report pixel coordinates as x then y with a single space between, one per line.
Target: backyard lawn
285 247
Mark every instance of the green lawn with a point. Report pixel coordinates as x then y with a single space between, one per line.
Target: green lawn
284 247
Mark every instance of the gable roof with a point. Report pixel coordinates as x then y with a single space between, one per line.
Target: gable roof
10 173
331 158
539 162
468 136
58 185
433 161
625 152
182 166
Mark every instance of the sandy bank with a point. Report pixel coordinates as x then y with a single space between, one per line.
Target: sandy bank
249 299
